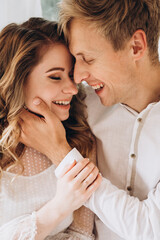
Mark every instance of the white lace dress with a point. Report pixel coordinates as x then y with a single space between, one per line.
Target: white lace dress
21 196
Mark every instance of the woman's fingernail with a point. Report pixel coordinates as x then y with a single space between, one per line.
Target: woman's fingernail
73 161
36 101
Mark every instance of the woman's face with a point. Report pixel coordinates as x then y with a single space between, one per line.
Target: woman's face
52 80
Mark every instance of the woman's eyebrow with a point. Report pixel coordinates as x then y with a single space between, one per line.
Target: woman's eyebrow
55 69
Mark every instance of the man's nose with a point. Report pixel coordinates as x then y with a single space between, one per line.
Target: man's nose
80 74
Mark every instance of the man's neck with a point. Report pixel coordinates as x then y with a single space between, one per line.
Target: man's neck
148 89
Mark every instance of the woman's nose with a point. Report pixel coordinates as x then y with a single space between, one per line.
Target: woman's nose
70 88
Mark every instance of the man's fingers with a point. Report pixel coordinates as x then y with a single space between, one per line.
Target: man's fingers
20 122
40 107
21 138
25 115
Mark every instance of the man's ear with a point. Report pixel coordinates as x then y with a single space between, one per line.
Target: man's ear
138 44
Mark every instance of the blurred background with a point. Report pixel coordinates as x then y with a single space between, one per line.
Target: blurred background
49 9
20 10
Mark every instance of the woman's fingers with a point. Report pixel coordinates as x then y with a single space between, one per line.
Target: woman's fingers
79 182
93 187
67 168
77 168
87 175
84 171
91 177
83 174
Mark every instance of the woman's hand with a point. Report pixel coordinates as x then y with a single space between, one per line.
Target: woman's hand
46 134
77 185
74 188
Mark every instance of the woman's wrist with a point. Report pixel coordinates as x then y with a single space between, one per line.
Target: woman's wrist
49 217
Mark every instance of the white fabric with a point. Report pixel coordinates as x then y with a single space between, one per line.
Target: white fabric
18 11
21 196
23 227
128 156
67 161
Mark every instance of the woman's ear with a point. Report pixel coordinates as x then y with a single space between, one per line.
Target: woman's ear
138 44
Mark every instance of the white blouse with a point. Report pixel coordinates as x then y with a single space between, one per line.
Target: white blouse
21 196
128 150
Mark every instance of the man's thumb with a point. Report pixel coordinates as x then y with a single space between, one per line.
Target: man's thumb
37 101
41 107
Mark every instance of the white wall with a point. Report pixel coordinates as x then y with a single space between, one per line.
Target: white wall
18 11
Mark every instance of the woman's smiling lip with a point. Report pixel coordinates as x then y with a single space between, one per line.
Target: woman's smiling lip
63 104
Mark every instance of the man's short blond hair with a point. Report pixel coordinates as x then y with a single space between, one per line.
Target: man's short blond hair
116 19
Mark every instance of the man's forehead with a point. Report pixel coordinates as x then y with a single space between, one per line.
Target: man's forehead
80 36
84 39
80 48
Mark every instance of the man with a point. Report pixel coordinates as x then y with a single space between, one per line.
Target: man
115 44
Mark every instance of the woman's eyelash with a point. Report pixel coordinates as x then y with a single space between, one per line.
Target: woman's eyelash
55 78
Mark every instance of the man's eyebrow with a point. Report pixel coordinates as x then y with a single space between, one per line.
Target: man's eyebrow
55 69
83 54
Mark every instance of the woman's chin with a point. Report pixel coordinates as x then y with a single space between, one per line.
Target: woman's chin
63 117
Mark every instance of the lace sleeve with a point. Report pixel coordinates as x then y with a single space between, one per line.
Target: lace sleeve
21 228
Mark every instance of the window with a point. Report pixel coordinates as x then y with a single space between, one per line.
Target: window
50 9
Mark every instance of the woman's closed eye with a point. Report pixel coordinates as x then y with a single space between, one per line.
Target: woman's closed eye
55 77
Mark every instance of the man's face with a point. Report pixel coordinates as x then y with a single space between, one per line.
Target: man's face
110 73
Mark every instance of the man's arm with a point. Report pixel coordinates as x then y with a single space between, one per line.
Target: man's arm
127 216
45 134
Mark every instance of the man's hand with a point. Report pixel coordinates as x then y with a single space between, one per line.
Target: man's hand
46 134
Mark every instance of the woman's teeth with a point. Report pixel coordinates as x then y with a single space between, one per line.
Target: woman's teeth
98 86
62 102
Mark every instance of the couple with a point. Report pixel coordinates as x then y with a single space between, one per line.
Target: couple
115 45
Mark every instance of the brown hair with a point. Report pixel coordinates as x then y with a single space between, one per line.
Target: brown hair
19 53
117 20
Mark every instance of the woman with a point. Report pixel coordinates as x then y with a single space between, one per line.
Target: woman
35 62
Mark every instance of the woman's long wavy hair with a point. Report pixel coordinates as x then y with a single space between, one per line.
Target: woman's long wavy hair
19 48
